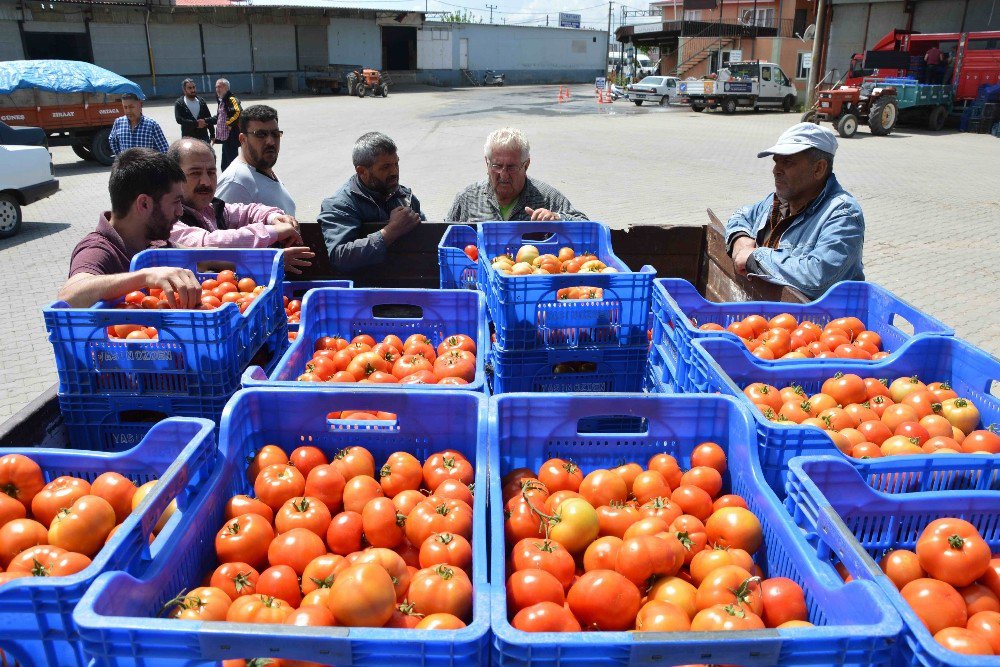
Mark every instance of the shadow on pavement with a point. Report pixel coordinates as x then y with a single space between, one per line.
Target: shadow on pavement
31 231
79 167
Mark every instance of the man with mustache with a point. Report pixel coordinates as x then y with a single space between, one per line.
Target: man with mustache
507 193
810 232
372 194
250 179
210 222
147 190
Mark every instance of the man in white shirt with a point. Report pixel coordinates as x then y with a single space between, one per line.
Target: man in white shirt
250 179
192 114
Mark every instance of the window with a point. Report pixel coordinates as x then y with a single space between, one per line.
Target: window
780 77
802 65
692 14
765 73
763 17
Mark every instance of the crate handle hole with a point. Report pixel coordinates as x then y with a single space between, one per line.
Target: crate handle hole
574 367
902 324
538 237
398 311
142 416
603 424
215 266
362 420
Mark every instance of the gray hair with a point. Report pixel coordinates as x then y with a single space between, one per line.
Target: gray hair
224 82
185 145
815 155
186 82
510 138
369 147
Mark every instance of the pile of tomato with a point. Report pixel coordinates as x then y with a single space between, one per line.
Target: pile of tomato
393 361
654 549
528 262
784 337
344 542
227 287
952 583
54 529
870 418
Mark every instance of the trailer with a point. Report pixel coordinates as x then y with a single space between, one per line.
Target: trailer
751 84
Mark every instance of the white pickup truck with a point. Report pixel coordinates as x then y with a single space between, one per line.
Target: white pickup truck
26 175
752 84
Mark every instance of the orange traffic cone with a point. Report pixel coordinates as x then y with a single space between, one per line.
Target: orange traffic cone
567 93
560 95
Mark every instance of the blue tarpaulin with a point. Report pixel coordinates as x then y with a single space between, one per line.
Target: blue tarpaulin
63 76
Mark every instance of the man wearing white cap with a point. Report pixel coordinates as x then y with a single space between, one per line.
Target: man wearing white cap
810 232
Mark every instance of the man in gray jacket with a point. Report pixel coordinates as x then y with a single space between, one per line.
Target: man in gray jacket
372 194
507 193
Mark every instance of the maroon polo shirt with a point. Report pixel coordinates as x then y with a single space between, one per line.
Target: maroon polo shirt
102 252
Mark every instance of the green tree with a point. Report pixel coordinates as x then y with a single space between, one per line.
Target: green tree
462 16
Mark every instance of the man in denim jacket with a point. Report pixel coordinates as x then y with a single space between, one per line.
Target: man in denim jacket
810 232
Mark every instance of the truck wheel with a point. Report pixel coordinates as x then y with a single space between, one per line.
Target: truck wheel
847 125
939 115
10 215
101 149
361 90
810 117
83 152
697 108
787 103
638 103
385 90
729 105
882 116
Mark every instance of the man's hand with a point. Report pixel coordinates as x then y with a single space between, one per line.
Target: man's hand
174 281
542 214
402 221
742 248
201 122
297 257
287 232
284 217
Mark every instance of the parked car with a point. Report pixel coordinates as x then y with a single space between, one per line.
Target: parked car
659 89
26 175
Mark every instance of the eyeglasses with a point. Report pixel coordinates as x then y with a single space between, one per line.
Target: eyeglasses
264 134
510 168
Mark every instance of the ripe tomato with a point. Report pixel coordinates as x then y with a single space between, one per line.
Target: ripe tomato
303 512
649 484
784 600
661 508
545 617
392 563
11 509
875 431
987 624
405 501
326 484
897 414
642 557
628 472
692 500
444 516
446 549
84 526
650 525
953 551
910 430
666 465
320 572
616 518
311 616
981 441
846 389
979 598
601 487
258 609
557 475
942 391
363 596
56 495
602 553
453 488
759 392
456 364
280 581
937 604
711 455
117 490
382 523
18 535
545 555
343 537
966 642
366 363
48 561
206 603
235 579
404 617
936 425
660 616
401 472
902 566
440 622
448 464
359 490
676 591
267 456
456 342
783 321
604 600
441 590
276 484
20 478
244 539
295 548
306 458
962 414
730 584
707 479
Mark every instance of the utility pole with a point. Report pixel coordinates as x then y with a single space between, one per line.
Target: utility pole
546 20
811 81
491 8
609 32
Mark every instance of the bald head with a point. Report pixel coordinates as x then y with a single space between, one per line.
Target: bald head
197 161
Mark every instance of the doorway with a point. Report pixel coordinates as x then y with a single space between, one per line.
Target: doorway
57 45
399 48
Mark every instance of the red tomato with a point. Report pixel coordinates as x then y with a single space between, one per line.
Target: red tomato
953 551
343 537
987 624
441 589
710 454
363 596
280 581
456 342
966 642
303 512
604 600
278 483
452 364
117 490
448 464
48 561
902 566
244 539
443 516
784 600
56 495
306 458
545 617
18 535
545 555
235 579
472 252
937 604
661 616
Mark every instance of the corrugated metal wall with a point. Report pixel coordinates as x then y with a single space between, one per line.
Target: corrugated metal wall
176 48
227 47
312 46
531 48
354 42
120 47
10 41
274 47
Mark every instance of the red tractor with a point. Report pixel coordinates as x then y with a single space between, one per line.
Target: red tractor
367 82
871 103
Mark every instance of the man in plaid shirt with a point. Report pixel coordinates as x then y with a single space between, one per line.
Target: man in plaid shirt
134 130
507 193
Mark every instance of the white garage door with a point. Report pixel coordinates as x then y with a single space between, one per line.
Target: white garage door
176 48
120 47
274 48
227 48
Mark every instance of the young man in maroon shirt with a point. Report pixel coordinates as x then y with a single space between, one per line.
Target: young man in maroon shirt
147 190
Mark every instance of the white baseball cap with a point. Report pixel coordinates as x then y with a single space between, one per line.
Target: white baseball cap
803 136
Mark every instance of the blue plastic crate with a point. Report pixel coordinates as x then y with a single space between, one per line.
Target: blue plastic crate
659 376
855 524
36 624
528 314
681 309
457 271
198 353
119 615
348 313
579 369
854 625
297 290
972 373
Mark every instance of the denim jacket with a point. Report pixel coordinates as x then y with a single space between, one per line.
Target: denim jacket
822 246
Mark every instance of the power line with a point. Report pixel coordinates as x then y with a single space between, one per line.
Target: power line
491 8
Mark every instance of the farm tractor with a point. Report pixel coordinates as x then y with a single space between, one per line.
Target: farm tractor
873 104
367 82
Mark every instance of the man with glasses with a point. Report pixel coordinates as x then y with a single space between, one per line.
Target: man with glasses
372 194
250 179
507 193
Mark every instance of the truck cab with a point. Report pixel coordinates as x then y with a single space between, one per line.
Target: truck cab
753 84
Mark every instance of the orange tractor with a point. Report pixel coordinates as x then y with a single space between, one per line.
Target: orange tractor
367 82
